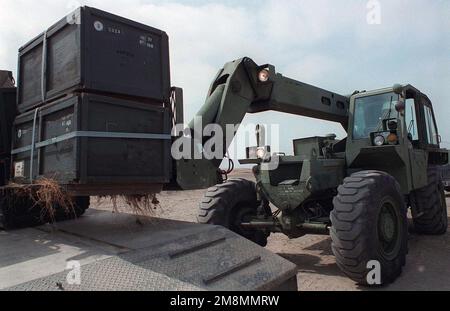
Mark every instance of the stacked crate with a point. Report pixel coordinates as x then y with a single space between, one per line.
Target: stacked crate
93 94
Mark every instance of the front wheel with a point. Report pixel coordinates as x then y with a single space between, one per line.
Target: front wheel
229 205
369 225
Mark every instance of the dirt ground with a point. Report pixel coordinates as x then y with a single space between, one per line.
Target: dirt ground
427 268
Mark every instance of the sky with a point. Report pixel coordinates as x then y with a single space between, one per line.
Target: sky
327 43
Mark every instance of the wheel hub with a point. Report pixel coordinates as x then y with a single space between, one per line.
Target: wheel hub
388 228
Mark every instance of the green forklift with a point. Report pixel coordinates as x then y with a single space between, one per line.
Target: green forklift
358 189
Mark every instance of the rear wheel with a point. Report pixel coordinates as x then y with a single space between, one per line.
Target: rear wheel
369 225
431 202
230 204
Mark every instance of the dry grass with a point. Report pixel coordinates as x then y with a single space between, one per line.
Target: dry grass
139 205
47 195
52 199
50 195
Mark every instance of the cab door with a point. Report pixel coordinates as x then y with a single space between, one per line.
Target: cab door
432 138
418 155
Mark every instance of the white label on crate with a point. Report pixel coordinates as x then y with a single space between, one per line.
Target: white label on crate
19 169
115 31
146 41
98 26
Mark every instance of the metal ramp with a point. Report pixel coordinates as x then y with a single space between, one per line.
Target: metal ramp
117 253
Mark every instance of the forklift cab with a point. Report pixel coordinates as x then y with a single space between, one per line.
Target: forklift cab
420 120
422 133
394 130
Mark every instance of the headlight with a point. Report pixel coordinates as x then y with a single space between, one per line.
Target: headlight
392 139
379 140
261 153
263 75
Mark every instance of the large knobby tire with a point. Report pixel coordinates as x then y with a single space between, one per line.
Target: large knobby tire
369 223
228 205
431 201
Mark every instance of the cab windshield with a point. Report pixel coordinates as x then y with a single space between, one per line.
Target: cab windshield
370 112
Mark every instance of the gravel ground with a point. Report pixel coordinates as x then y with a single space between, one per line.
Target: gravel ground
427 268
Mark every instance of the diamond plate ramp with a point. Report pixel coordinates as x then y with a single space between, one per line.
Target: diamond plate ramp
170 256
112 274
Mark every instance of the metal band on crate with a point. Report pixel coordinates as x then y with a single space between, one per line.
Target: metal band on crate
91 134
44 68
43 98
33 143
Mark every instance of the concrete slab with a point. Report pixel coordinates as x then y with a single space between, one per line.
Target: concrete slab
31 253
126 231
117 253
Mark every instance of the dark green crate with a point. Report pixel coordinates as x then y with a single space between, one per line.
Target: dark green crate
94 160
94 51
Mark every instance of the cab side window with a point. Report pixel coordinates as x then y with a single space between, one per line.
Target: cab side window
431 131
411 120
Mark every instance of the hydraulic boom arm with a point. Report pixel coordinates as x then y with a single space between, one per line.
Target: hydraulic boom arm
243 87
